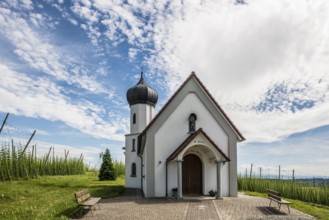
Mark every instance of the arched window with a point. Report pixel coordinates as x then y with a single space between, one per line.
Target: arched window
133 170
134 118
133 148
192 122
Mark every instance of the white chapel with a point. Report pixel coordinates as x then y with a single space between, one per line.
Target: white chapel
189 147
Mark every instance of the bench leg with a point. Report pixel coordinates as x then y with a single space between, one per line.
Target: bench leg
91 210
270 203
99 206
279 206
288 208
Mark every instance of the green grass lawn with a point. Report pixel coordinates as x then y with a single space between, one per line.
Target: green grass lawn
51 197
318 211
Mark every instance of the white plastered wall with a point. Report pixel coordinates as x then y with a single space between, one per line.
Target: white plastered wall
131 157
170 129
173 131
144 114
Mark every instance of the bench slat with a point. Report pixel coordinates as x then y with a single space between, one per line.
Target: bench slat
81 193
92 201
85 201
285 202
280 201
269 191
274 197
83 198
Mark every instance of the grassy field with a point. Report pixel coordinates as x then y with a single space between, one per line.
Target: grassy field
51 197
318 211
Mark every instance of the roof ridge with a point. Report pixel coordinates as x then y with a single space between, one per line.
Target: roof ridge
168 102
219 108
193 74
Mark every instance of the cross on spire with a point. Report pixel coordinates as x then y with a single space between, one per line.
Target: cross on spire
142 72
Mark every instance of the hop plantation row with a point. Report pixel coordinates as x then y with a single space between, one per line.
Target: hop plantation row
288 188
19 163
16 163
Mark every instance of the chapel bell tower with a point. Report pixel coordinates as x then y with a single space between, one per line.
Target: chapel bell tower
142 99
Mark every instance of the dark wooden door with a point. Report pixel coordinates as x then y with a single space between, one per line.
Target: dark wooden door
192 174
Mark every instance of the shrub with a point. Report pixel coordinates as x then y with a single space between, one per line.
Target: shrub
107 171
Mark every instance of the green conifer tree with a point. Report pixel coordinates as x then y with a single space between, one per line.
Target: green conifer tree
106 171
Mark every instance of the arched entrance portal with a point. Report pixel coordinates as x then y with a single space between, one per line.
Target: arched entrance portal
192 175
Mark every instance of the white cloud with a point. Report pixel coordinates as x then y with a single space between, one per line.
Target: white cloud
26 4
19 4
38 97
306 153
242 51
73 21
120 21
42 55
132 53
84 12
37 19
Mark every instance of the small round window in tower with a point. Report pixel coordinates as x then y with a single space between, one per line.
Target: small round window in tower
192 122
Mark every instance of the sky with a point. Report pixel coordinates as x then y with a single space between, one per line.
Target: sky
65 67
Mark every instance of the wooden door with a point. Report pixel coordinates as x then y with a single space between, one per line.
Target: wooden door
192 175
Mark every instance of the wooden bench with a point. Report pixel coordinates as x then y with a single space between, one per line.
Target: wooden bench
276 197
85 201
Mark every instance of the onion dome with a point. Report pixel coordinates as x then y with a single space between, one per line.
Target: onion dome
141 93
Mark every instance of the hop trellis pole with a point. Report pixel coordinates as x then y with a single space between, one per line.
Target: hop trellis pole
4 122
27 144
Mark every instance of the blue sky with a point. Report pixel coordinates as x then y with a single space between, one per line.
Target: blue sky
65 67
